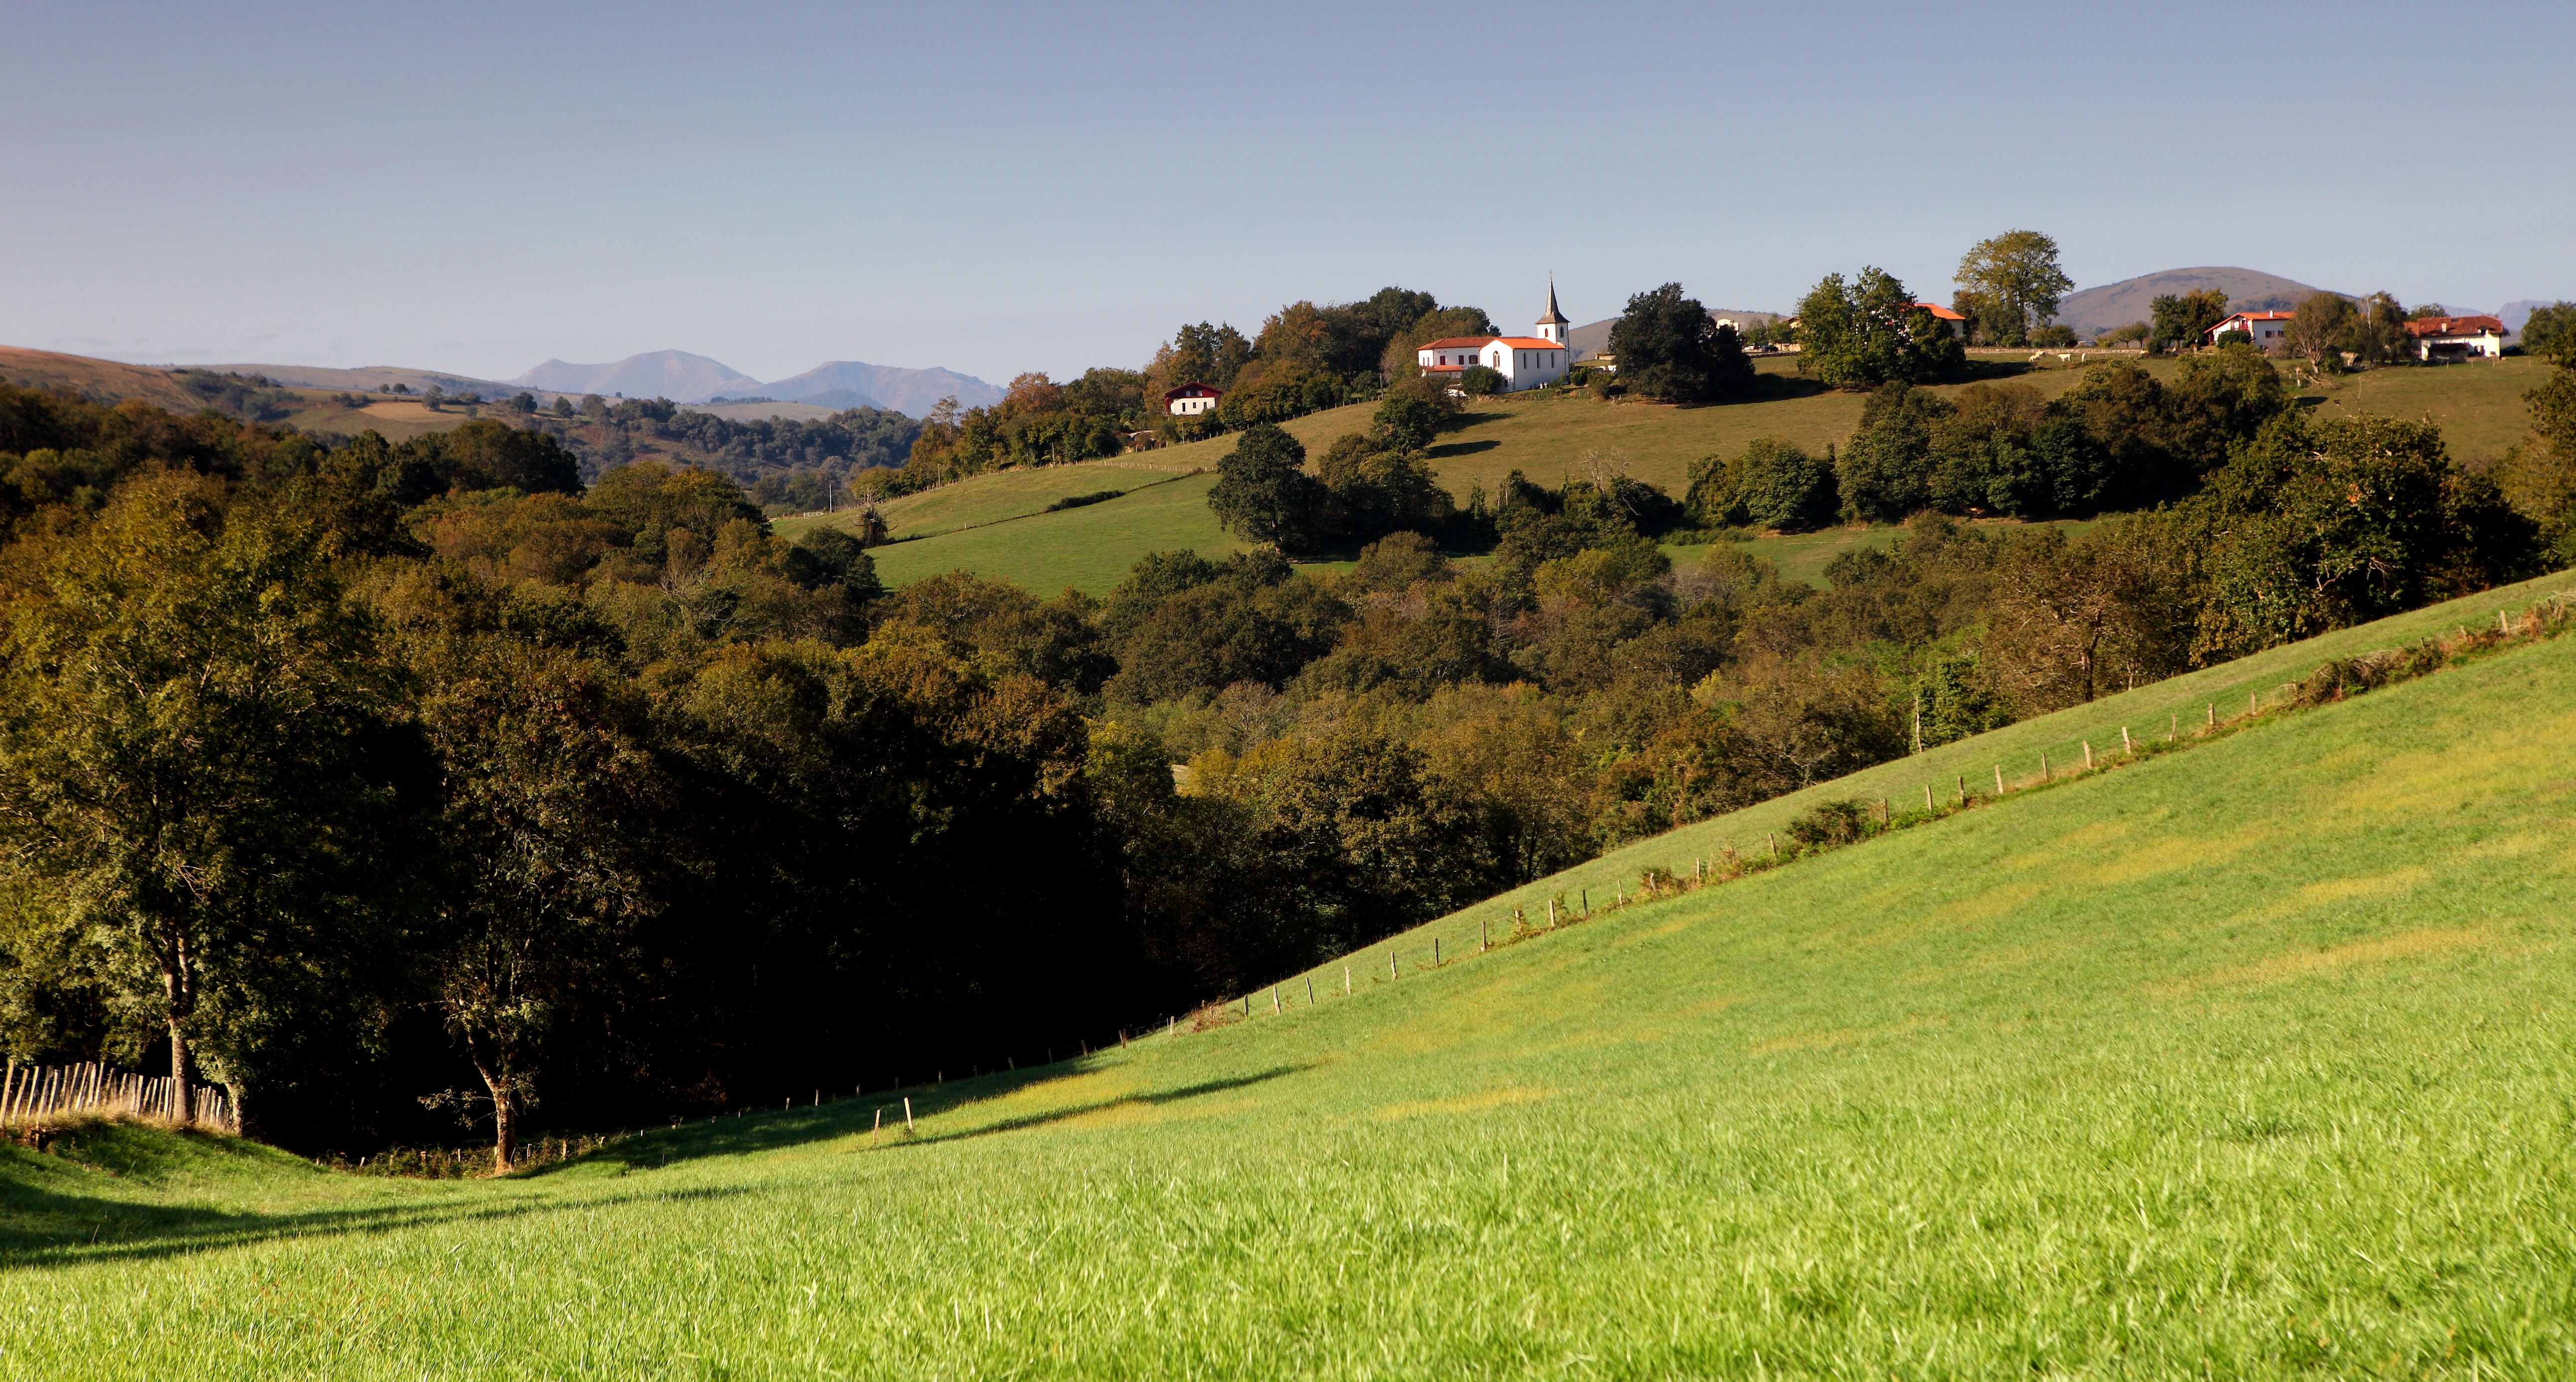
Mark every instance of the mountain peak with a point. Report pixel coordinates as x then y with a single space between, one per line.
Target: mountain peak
673 374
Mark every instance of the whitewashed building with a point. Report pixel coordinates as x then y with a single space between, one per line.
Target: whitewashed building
2270 330
1524 362
2456 338
1191 399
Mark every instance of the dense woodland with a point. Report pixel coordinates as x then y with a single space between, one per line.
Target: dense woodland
417 789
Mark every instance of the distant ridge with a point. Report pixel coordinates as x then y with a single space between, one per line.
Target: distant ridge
672 374
2114 305
367 378
857 384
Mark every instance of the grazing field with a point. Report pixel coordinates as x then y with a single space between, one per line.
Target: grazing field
1089 548
2477 404
2247 1060
992 498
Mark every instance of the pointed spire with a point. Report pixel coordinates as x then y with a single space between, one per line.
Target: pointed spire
1552 317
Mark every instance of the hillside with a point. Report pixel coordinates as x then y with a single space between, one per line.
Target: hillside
2247 1060
372 378
104 380
2113 305
2479 407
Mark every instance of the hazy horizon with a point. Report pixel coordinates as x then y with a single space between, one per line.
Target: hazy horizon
993 189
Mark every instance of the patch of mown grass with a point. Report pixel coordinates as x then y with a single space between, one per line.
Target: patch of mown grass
2242 1061
1090 548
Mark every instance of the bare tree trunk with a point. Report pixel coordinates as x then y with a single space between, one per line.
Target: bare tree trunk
179 983
505 1117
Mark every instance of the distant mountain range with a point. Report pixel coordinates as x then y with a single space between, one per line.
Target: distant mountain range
673 374
684 378
853 384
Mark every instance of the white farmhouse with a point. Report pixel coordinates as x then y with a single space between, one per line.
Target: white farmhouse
1191 399
2456 338
2269 329
1524 362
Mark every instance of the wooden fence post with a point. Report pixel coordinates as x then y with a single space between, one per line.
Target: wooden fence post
1346 981
2213 715
1927 797
2088 755
2125 745
2043 765
1999 779
907 1113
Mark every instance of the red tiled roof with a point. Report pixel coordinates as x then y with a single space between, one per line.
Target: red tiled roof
1192 389
1527 343
1459 343
1940 311
2454 326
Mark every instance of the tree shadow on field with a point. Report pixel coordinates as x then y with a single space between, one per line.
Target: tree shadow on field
44 1225
761 1132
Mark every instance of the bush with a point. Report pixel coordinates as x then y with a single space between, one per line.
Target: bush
1481 380
1832 823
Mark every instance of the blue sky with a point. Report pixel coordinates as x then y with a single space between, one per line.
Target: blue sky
999 188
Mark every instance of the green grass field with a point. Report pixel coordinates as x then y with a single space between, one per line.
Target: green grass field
2249 1060
1089 548
992 498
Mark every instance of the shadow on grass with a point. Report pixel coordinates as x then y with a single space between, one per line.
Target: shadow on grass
760 1132
54 1225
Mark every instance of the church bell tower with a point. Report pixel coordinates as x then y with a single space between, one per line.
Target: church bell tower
1552 323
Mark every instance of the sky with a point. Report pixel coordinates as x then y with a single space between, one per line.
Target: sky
999 188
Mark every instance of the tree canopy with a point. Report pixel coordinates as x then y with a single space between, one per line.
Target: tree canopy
1669 347
2016 282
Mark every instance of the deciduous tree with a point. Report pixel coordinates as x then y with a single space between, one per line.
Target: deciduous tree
2017 282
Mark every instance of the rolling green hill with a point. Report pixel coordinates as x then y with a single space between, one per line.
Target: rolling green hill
2246 1060
2479 407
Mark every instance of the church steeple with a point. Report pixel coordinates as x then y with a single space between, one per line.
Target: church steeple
1552 324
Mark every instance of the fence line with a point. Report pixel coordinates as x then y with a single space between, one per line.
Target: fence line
38 1096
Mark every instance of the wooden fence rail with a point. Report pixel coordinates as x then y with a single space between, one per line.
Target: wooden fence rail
37 1095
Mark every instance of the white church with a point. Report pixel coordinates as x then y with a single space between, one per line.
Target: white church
1525 362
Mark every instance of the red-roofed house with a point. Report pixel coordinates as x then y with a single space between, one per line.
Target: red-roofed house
1524 362
1191 399
2456 338
2267 328
1958 324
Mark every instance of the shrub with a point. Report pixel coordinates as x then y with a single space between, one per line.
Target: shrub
1832 823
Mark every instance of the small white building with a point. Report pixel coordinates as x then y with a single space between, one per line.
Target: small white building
2269 329
1524 362
2456 338
1191 399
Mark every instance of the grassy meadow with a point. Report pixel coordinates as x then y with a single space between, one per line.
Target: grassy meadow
2248 1060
